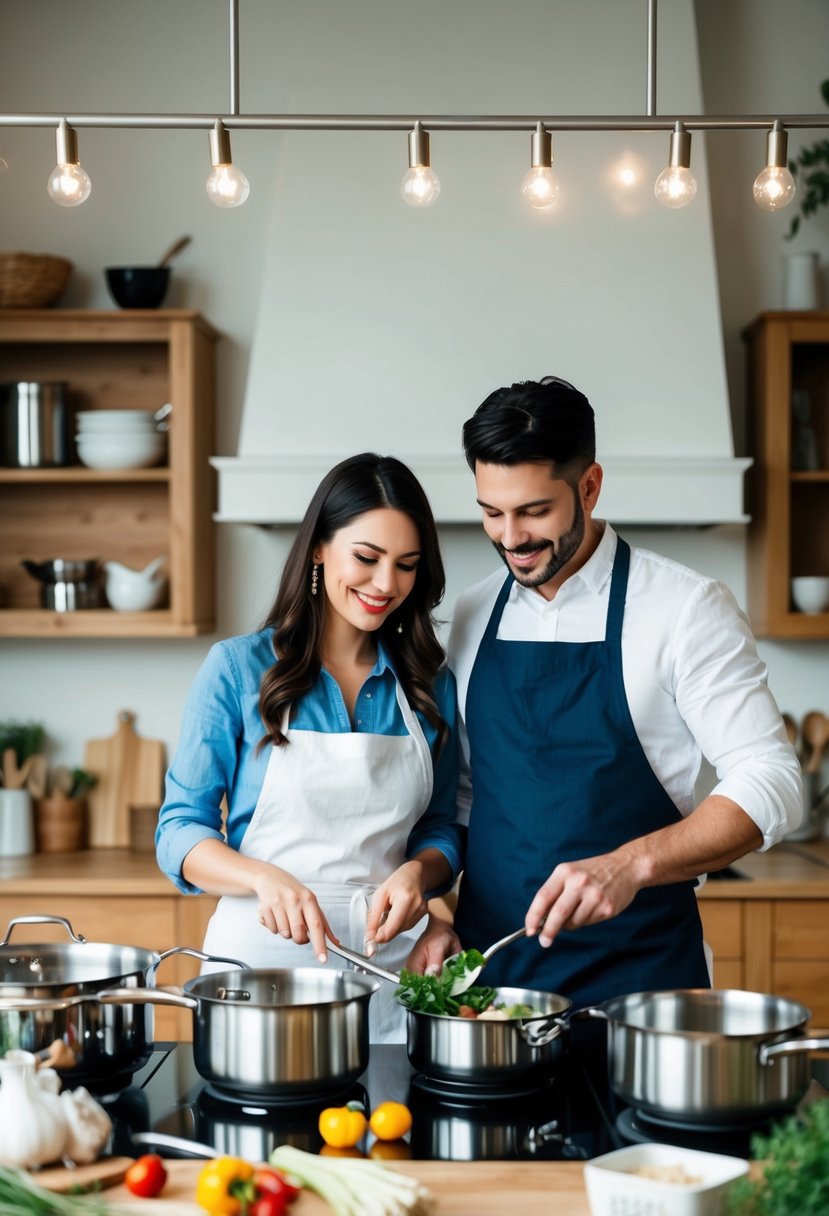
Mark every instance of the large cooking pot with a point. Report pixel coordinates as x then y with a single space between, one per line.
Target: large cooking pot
47 996
272 1033
705 1056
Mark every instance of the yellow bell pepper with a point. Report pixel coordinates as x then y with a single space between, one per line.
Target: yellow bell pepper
223 1187
343 1126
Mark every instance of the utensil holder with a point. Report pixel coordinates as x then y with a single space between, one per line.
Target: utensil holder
17 836
60 824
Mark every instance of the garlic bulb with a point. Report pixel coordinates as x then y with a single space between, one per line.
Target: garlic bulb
33 1126
88 1125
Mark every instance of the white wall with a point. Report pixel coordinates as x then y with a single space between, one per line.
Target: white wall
171 55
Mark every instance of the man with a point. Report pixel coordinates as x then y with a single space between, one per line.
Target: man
591 679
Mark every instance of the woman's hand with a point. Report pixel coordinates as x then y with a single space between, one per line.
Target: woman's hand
288 908
437 941
398 904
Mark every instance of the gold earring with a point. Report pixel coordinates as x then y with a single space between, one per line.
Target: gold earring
315 574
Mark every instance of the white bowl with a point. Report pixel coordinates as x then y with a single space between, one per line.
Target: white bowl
122 452
128 595
810 594
115 416
612 1188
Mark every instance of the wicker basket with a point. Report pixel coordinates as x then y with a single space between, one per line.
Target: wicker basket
32 280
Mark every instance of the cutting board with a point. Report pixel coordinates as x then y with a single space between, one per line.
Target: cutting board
109 1171
485 1188
130 772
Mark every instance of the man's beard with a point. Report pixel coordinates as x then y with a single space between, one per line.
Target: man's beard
561 551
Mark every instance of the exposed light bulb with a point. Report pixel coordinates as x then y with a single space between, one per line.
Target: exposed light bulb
774 186
539 187
227 185
68 183
420 186
676 184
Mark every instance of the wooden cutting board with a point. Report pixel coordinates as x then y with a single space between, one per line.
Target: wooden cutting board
485 1188
130 772
109 1171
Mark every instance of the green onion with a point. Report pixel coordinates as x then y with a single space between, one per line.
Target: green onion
355 1187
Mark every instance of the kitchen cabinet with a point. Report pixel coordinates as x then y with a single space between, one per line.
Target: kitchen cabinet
138 359
788 537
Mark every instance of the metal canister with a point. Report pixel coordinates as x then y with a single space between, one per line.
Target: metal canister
35 425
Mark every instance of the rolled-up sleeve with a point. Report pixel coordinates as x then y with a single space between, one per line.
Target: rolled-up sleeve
204 766
438 826
721 690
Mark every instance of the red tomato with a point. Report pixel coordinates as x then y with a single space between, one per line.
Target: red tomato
268 1181
146 1176
268 1205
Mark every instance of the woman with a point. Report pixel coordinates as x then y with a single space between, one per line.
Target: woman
331 732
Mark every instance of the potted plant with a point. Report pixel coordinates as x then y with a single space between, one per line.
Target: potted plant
813 161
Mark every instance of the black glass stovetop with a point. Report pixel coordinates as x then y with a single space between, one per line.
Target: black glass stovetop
572 1115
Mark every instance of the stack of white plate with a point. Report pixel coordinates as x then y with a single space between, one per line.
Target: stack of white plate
119 439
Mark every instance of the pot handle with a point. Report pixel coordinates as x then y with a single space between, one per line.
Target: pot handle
542 1031
589 1011
205 958
37 918
770 1051
147 996
22 1004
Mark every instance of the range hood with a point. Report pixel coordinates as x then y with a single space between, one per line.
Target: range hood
382 328
656 491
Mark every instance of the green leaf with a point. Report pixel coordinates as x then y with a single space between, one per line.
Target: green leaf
824 88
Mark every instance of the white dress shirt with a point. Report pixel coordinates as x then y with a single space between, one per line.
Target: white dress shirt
694 681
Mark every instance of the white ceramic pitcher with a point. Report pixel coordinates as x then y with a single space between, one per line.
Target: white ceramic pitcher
130 590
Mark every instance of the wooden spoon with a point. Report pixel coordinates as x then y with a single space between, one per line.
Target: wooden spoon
814 730
791 728
14 778
36 781
175 248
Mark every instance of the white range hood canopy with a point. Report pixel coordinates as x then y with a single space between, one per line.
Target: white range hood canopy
647 491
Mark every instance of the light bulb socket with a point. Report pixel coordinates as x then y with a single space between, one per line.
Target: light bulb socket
419 157
220 153
66 144
680 155
777 147
541 148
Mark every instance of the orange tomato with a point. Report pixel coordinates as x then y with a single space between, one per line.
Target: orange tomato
390 1120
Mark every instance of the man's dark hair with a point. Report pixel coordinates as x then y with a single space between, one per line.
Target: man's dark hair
534 420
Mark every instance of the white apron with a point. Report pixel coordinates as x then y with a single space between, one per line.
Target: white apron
335 811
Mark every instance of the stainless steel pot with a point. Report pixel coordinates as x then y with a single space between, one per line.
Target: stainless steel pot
285 1033
35 430
481 1052
702 1057
67 585
48 995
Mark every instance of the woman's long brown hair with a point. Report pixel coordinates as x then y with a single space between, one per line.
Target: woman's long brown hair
361 483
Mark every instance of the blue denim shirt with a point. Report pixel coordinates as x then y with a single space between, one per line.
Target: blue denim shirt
221 729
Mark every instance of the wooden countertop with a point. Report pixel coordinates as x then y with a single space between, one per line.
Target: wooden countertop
486 1188
787 871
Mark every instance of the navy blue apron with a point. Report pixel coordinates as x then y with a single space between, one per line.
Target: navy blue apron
558 774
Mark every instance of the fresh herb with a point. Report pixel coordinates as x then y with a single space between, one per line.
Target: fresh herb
794 1178
21 1196
432 993
81 782
24 738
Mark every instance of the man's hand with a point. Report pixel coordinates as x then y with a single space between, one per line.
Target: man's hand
437 941
579 893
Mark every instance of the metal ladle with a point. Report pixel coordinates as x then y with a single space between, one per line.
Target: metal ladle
459 985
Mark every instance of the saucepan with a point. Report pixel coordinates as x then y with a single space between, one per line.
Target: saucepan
479 1052
48 996
271 1033
705 1056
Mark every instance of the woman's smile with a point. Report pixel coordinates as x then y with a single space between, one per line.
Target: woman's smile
372 603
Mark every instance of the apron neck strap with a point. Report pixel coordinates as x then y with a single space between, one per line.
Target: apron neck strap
618 591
